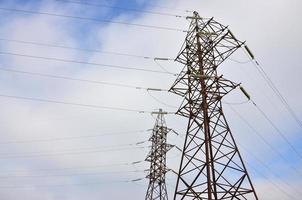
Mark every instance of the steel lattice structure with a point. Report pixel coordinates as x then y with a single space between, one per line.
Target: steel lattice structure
157 157
211 166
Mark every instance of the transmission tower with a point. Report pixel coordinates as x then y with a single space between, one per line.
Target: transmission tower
211 166
157 157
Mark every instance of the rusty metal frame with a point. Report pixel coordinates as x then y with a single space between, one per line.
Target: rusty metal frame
211 166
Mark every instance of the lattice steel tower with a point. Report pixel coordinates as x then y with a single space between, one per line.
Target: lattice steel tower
211 167
157 157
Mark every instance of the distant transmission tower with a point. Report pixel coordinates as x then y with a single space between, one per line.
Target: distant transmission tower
211 166
157 157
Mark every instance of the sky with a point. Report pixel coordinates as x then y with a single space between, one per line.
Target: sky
61 151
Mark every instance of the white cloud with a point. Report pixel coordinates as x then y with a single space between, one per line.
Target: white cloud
268 30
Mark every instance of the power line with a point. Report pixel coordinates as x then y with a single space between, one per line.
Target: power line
66 175
76 104
268 168
91 19
159 101
76 149
72 137
158 64
71 153
273 149
83 167
239 61
273 125
274 184
278 93
271 84
80 80
70 184
278 130
82 49
84 62
232 103
121 8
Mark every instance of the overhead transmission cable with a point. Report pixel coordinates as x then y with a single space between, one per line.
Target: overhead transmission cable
71 174
160 101
272 182
239 61
121 8
269 169
278 130
273 149
156 61
70 137
84 49
233 103
271 84
278 94
84 62
91 19
76 104
148 89
80 80
71 153
69 184
272 123
80 167
109 147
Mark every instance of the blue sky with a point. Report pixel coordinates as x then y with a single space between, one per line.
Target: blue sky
276 49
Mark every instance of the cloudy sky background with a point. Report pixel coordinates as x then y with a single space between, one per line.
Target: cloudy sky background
53 151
